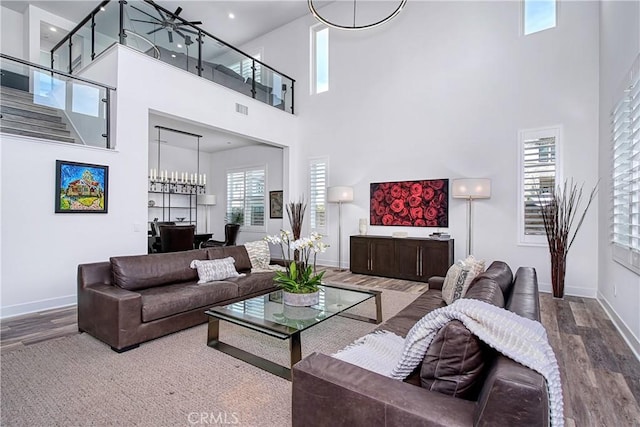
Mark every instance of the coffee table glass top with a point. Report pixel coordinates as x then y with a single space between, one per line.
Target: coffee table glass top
268 314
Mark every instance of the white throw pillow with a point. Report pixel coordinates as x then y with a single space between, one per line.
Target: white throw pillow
259 255
475 267
215 269
453 286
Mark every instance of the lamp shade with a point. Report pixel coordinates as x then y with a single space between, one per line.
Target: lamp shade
471 188
207 199
339 194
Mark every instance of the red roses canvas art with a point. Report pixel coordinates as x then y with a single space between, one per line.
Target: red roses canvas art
410 203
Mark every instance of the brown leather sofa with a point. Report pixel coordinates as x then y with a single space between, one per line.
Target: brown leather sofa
132 299
462 382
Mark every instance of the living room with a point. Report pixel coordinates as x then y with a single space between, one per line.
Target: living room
458 83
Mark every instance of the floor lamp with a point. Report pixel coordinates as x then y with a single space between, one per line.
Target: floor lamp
339 195
470 189
207 200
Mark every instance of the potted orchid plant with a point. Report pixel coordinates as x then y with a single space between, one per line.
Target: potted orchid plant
300 280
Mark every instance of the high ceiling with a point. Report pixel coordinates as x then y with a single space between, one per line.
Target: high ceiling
251 19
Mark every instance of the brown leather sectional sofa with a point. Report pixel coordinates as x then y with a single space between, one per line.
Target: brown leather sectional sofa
132 299
462 382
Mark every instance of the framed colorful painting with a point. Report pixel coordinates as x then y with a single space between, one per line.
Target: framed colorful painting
81 187
410 203
275 204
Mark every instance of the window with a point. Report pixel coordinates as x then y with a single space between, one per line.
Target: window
319 59
625 180
538 15
245 196
538 178
318 172
244 67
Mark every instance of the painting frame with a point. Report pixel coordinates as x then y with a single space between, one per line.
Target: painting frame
74 194
275 204
410 203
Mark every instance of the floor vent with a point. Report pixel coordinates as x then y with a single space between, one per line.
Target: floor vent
242 109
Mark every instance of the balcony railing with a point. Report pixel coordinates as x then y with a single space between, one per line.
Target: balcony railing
51 104
157 32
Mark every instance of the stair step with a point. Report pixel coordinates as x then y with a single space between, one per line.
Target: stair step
5 109
7 91
32 121
17 124
28 105
35 134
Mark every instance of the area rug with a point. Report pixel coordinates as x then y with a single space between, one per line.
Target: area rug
172 381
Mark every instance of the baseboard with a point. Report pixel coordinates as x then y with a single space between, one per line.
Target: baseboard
35 306
631 340
569 290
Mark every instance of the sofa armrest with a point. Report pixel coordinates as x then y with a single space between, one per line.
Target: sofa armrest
435 282
109 313
357 396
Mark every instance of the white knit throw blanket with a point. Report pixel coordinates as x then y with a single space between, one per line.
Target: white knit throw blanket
518 338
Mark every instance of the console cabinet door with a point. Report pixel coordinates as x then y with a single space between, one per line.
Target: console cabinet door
436 258
359 255
382 259
408 257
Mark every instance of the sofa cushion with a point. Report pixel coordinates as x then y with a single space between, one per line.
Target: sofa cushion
259 255
252 283
168 300
146 271
487 290
454 282
455 361
215 269
239 253
401 323
501 273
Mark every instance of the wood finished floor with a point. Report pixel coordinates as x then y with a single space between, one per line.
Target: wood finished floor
600 374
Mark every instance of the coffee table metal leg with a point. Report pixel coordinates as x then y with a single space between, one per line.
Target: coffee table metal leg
295 348
377 320
213 341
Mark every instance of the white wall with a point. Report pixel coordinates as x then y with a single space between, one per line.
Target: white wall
11 42
441 92
618 288
143 84
268 156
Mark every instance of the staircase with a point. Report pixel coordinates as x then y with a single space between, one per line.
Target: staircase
20 116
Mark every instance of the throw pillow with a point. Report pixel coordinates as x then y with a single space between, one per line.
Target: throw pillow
217 269
259 255
453 286
474 267
454 362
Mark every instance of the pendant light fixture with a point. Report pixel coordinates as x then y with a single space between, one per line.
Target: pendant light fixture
355 27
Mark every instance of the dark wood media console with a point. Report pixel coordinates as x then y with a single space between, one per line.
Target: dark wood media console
408 258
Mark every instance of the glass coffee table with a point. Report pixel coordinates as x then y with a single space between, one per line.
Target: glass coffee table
269 315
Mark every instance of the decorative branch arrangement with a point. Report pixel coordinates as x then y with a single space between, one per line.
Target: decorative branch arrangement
559 213
295 212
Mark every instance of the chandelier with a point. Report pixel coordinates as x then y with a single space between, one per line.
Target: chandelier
355 27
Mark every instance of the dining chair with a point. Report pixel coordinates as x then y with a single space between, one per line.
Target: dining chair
175 238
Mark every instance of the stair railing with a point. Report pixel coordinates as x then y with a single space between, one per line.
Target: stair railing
209 57
85 104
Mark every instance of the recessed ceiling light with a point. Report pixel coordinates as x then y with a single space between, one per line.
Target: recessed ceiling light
102 8
172 55
231 15
179 45
53 29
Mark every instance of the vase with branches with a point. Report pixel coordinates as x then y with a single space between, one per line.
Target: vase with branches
559 210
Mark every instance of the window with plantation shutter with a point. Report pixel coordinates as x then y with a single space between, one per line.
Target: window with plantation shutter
318 173
625 180
246 196
538 178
